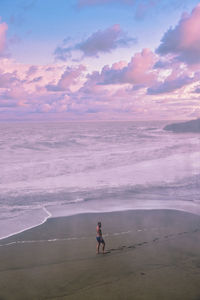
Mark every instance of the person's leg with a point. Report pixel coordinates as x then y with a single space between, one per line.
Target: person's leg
103 246
98 244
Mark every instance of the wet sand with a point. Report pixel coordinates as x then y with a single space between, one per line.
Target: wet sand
150 255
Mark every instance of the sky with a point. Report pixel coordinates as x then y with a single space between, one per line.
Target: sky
99 60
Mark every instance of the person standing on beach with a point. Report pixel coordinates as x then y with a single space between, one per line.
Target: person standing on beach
99 238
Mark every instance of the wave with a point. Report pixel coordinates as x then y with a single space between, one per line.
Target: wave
48 215
185 193
125 165
185 206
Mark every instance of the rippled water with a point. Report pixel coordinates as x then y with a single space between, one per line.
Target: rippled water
67 168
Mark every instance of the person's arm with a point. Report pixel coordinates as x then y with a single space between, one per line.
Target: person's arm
97 229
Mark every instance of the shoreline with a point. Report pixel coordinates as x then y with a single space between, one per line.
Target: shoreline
49 216
150 254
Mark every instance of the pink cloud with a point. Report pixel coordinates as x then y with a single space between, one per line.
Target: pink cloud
119 65
14 96
138 71
3 29
68 78
183 41
24 88
116 91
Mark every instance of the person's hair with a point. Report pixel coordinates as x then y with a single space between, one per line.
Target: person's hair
99 223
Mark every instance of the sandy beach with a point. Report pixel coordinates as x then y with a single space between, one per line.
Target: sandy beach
151 254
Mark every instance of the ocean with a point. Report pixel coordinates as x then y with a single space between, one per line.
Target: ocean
60 169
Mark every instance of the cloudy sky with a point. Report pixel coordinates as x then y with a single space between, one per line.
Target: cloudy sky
99 59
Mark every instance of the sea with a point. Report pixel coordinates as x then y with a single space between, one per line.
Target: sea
66 168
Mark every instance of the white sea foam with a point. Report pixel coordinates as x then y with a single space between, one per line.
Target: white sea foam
50 170
24 227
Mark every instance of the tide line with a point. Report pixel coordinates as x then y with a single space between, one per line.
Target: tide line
49 215
64 239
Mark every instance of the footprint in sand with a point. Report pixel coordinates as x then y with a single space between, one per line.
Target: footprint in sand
143 243
156 239
131 247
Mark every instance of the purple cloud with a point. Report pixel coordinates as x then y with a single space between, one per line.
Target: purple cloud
32 70
170 85
36 79
161 64
197 90
101 41
7 79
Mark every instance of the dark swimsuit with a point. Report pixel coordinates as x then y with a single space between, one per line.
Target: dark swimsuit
100 240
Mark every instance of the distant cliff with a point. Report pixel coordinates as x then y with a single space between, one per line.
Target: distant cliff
189 126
